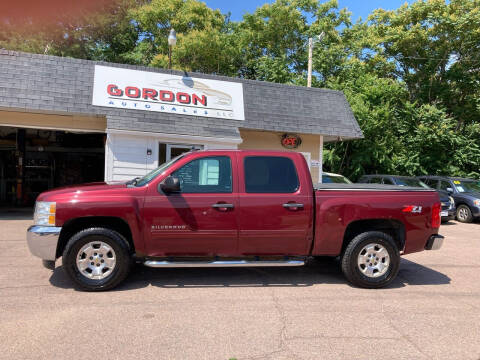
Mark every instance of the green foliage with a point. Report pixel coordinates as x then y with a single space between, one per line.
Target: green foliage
104 35
411 75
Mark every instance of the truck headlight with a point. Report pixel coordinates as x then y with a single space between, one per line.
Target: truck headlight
476 202
44 213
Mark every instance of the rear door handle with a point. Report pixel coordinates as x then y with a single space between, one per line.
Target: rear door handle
293 205
222 206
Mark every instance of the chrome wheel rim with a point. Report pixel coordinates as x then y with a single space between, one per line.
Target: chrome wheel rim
373 260
462 214
96 260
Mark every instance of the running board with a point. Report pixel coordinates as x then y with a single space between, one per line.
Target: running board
222 263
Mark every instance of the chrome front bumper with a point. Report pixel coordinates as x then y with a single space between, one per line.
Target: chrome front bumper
42 241
435 242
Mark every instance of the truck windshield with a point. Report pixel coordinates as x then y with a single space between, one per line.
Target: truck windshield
467 186
411 182
153 174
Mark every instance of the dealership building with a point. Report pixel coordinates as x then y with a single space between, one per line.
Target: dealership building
65 121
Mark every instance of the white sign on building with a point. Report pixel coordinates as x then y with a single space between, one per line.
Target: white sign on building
150 91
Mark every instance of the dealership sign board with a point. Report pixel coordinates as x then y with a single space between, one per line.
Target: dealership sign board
150 91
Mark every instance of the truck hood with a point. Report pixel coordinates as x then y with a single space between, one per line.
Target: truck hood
81 188
472 194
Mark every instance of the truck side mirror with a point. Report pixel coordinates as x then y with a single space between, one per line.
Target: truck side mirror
171 184
449 190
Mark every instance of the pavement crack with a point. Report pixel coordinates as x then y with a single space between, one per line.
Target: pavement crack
402 335
340 337
283 345
282 341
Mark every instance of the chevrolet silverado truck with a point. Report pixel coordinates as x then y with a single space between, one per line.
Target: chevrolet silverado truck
231 208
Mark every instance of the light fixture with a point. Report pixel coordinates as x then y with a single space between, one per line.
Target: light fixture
172 38
172 41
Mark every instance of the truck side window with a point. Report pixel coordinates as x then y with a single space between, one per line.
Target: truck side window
430 182
376 180
270 174
444 185
387 181
206 175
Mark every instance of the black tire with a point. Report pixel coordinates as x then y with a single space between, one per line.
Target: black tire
464 214
123 258
349 261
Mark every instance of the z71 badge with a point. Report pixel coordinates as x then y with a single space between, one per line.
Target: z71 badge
414 209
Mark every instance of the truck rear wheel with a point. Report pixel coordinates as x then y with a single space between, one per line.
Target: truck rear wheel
371 260
97 259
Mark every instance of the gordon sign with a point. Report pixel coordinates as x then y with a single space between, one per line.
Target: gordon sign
143 90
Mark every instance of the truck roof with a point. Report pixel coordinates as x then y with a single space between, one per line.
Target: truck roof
250 150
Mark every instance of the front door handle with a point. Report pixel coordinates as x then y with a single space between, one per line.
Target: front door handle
221 206
293 206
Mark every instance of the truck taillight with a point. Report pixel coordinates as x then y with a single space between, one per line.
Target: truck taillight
436 219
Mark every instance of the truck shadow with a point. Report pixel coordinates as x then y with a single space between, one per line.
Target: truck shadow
449 223
326 271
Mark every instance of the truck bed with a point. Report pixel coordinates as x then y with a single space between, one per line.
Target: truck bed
368 187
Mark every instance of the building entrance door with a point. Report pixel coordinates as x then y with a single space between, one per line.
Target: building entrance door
173 150
169 151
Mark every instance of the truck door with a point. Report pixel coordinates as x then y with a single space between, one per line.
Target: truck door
201 219
276 212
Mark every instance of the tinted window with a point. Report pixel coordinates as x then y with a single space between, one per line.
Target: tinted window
388 181
270 174
206 175
411 182
375 180
337 179
444 185
430 182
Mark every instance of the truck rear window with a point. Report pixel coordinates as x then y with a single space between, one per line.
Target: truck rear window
270 174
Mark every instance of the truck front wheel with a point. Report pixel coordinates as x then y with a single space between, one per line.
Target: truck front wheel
97 259
371 260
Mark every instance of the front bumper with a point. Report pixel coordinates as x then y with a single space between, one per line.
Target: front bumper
42 241
475 211
435 242
450 215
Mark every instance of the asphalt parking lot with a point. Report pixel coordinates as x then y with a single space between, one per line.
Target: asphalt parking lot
432 310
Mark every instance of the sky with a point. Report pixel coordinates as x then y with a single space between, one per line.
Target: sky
359 8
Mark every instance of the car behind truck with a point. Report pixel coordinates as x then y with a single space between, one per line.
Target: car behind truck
231 208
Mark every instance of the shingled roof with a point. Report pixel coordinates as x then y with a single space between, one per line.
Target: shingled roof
32 82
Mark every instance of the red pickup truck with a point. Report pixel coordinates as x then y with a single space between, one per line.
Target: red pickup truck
231 208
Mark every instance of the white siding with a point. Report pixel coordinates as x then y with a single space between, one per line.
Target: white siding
128 156
126 153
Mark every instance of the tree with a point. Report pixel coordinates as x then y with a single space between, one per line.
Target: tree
105 34
411 75
435 49
203 36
